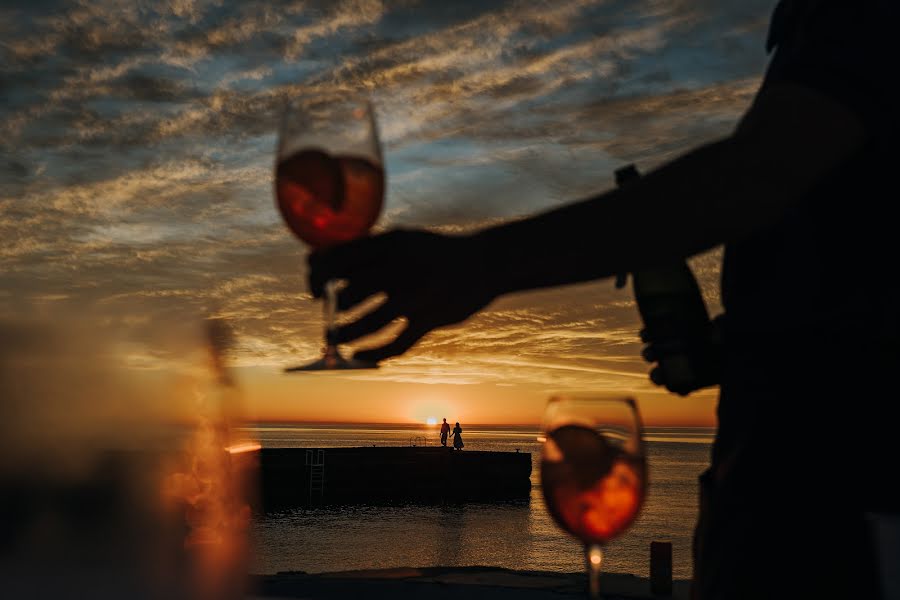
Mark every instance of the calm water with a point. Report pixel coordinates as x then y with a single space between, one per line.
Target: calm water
519 535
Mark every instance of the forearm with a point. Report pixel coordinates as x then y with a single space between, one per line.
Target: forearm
717 193
658 217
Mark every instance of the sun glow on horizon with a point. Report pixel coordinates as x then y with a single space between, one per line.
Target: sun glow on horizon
430 409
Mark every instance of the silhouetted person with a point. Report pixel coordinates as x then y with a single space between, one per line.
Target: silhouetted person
800 195
445 431
457 437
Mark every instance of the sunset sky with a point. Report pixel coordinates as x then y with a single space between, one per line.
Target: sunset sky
136 159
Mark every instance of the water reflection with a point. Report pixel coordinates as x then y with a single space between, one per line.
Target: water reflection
517 535
451 527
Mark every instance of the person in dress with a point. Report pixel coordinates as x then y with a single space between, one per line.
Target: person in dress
457 437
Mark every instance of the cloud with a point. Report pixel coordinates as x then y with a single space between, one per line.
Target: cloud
136 144
347 14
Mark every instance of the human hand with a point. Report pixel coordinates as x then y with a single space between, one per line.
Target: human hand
683 366
431 280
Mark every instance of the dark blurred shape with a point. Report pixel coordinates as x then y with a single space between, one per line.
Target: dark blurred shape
452 583
661 568
220 339
112 484
99 532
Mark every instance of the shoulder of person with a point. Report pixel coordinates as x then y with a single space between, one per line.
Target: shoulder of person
808 22
844 51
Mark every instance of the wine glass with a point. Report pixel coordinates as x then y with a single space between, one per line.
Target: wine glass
593 470
329 187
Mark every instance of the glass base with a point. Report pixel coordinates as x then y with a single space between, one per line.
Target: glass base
333 361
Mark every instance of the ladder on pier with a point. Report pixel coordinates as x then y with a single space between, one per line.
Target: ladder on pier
315 460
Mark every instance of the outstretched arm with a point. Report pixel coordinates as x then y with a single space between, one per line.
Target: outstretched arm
721 192
718 193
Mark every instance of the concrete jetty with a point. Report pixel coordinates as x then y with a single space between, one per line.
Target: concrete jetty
311 476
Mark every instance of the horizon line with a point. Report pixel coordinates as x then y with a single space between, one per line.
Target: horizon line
421 424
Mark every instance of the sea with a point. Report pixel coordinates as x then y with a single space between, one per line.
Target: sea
516 535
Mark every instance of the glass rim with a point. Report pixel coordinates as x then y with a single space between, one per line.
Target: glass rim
355 97
311 106
594 397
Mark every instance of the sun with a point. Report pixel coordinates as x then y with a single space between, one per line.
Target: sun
431 421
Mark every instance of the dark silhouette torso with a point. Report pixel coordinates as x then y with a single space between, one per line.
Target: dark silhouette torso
810 342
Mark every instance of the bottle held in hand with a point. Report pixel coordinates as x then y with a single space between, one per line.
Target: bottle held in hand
682 339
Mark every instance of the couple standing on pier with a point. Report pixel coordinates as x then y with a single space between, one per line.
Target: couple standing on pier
457 435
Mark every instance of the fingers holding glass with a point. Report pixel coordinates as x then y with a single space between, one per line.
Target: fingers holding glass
370 323
358 289
396 329
329 189
407 338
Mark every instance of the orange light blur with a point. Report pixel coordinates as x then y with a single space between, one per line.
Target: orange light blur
241 448
612 504
208 487
603 511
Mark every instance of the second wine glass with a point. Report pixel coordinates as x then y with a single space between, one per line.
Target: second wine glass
593 470
329 187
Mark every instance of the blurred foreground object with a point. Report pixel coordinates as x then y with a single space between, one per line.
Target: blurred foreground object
329 188
118 481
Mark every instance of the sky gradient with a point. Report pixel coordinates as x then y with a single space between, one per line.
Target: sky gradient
136 157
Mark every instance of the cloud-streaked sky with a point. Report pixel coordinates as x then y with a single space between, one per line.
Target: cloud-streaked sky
136 155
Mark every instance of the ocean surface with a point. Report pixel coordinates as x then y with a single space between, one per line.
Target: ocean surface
516 535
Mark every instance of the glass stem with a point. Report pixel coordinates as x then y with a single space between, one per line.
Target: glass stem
330 308
593 558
